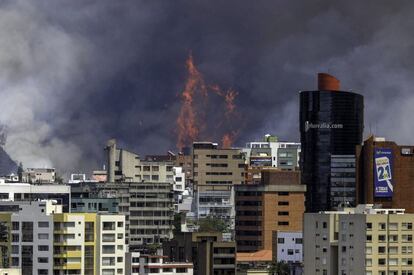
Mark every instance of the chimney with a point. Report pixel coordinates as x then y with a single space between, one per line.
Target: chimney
327 82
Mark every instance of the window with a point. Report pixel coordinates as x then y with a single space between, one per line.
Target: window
43 224
108 237
381 261
43 236
368 262
155 177
381 249
393 238
392 261
15 262
108 225
298 240
119 259
407 238
369 226
283 213
15 238
43 248
382 226
406 249
27 231
393 226
108 261
369 238
15 226
120 247
290 252
43 260
393 250
42 272
108 272
120 236
283 223
381 238
120 224
15 249
283 203
407 261
368 250
407 226
108 249
324 225
280 240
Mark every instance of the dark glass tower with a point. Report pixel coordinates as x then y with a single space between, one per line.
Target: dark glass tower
331 125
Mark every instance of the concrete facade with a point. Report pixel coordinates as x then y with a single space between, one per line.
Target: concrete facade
275 205
215 173
126 166
362 240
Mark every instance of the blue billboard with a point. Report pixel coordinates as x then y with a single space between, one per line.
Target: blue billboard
383 173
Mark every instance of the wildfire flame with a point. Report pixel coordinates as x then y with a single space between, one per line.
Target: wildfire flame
191 119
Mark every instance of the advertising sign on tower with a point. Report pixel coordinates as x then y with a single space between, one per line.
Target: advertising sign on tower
383 173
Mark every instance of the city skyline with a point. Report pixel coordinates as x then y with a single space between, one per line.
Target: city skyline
116 70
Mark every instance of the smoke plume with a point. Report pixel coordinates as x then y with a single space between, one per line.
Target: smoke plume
74 74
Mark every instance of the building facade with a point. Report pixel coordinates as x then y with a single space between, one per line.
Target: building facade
126 166
148 207
215 173
208 252
143 264
374 157
40 239
28 192
331 124
362 240
275 205
273 153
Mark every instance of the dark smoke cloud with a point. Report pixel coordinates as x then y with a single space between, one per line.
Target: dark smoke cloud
75 73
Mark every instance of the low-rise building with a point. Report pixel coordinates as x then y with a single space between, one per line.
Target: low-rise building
39 175
361 240
207 251
32 192
144 264
126 166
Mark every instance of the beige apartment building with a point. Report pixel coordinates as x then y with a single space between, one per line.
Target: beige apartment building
362 240
126 166
215 173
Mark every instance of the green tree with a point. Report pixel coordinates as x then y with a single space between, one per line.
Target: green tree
212 224
279 268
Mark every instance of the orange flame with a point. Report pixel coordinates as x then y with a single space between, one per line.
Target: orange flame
189 122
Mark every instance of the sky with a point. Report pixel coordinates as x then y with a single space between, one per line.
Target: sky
75 73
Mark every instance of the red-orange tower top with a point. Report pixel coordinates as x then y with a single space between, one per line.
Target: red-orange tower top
327 82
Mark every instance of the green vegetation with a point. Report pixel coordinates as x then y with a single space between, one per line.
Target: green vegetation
212 224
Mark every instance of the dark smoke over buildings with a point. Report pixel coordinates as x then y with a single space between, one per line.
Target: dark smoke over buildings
75 73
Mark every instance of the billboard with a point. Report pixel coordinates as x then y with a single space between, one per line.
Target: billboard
261 161
383 173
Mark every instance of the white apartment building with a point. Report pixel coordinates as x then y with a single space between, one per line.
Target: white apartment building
141 264
112 248
289 246
45 241
179 179
362 240
272 153
30 192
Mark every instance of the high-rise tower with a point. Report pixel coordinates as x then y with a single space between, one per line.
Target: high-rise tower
331 125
